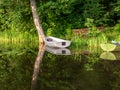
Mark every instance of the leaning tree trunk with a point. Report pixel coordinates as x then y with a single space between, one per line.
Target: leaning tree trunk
37 22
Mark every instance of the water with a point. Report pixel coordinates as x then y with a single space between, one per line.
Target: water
25 67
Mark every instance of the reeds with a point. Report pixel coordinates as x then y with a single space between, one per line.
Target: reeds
78 41
92 43
14 36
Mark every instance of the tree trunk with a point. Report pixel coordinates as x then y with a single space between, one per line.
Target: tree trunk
37 22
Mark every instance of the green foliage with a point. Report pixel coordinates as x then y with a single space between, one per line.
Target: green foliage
93 9
117 8
69 33
57 16
89 22
117 27
93 31
15 15
116 32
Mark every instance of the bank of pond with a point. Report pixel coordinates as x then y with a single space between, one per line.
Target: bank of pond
79 39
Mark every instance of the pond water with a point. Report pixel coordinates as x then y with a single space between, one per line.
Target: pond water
25 67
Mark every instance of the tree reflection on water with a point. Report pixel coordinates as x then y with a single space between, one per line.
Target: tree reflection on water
19 69
37 66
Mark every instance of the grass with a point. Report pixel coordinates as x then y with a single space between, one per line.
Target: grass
17 37
92 42
78 41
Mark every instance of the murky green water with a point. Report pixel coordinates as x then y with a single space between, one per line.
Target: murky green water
25 67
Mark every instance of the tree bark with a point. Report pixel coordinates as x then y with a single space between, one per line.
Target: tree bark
37 22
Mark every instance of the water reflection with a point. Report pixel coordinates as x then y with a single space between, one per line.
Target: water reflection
82 70
42 48
110 56
37 66
59 51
